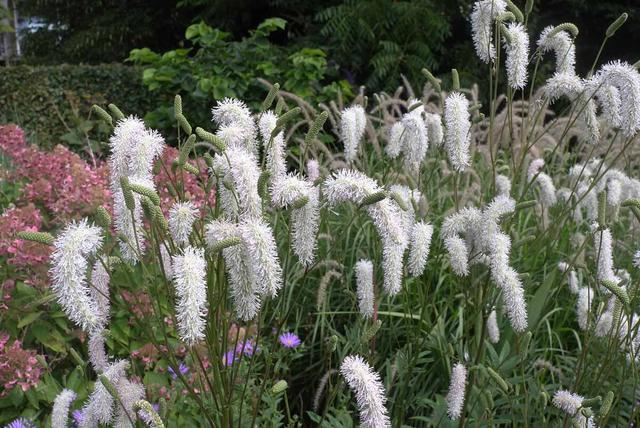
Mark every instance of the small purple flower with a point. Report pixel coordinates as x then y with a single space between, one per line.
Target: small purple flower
182 368
248 348
228 358
146 418
289 340
78 416
20 423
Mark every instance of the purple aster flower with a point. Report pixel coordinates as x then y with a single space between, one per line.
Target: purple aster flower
289 340
248 348
20 423
182 368
228 358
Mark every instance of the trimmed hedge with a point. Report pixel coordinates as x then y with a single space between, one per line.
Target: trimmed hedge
52 103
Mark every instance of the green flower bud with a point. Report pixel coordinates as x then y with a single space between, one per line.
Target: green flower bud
116 112
615 25
373 198
288 116
315 128
103 218
455 79
210 138
279 387
102 114
268 101
41 237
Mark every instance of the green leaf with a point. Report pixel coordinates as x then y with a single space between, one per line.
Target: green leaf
270 25
29 319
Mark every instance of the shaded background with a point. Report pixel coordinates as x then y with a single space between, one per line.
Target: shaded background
317 49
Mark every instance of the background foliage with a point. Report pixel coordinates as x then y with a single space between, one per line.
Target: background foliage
52 103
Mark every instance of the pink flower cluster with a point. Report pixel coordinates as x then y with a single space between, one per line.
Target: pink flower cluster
18 366
59 181
28 257
168 178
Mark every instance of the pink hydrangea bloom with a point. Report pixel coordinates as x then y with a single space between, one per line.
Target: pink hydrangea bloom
18 367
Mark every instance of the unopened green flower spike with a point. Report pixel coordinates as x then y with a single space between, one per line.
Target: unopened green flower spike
288 116
315 128
115 111
177 105
211 138
102 114
615 25
103 218
268 101
279 387
41 237
373 198
432 79
515 10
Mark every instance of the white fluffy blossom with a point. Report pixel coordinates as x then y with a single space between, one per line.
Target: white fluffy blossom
458 124
189 272
245 293
457 388
305 222
238 174
623 104
547 188
570 403
503 185
583 306
100 405
313 170
517 47
167 263
261 255
182 215
411 137
482 17
474 232
562 46
133 151
433 121
353 186
574 284
419 246
69 271
97 352
289 189
233 112
129 392
364 282
492 327
99 291
603 250
369 391
60 413
572 87
352 125
274 148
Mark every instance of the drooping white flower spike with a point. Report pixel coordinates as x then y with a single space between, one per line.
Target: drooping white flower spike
354 186
238 173
97 352
562 46
305 222
603 250
61 405
274 147
261 255
369 391
419 246
583 306
245 293
364 281
313 170
129 393
492 327
352 125
182 215
503 185
435 133
619 83
189 272
457 388
547 188
482 18
471 231
100 404
99 291
571 404
517 47
69 271
133 151
457 126
572 87
574 284
233 112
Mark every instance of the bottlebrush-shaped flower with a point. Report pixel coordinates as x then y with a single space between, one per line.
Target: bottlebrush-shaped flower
369 391
457 388
60 413
419 248
353 121
69 270
274 147
562 46
182 215
517 47
458 124
364 282
482 17
189 272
